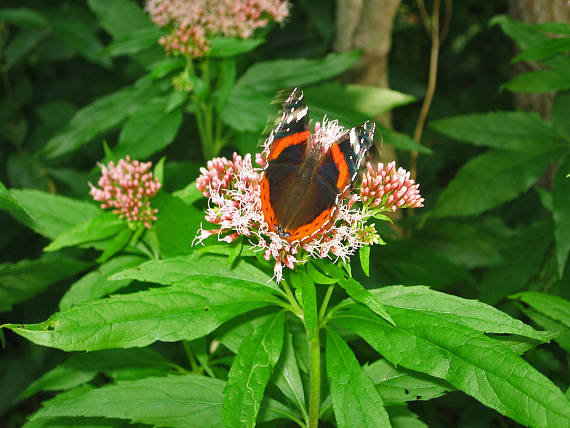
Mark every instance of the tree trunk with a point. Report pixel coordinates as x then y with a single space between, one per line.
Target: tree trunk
534 12
367 25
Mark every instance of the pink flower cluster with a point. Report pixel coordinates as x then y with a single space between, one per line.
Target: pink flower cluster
233 189
127 187
195 21
389 188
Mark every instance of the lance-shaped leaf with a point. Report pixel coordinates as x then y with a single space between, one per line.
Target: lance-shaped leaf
470 361
185 268
398 385
287 377
364 296
52 214
82 367
175 401
301 281
501 130
561 213
10 204
102 115
96 284
492 179
23 280
471 313
355 400
179 312
250 372
101 227
555 307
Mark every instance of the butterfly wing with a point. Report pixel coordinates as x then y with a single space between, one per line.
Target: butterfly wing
288 144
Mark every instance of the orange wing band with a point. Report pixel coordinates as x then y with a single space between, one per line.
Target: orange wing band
290 140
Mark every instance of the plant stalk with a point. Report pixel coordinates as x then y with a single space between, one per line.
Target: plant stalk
435 43
314 380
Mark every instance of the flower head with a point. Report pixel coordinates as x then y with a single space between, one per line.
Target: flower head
127 186
233 189
194 22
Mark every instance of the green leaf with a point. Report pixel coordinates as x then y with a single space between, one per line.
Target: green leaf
357 103
404 262
223 47
480 366
402 417
301 281
320 277
469 313
561 213
69 29
102 115
23 43
11 204
52 214
364 296
23 280
250 372
526 36
165 67
562 333
555 307
286 375
120 18
225 83
472 243
544 50
399 141
560 108
246 109
491 179
149 130
398 385
96 284
175 401
134 42
179 312
119 241
271 76
22 16
539 81
195 266
502 130
355 400
364 256
83 367
176 226
158 171
234 332
189 194
552 27
522 257
101 227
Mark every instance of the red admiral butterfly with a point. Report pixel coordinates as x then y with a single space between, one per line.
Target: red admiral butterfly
302 184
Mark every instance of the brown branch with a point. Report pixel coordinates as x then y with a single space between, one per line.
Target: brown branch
435 43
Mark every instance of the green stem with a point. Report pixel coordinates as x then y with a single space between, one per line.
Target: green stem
291 298
190 355
326 299
314 380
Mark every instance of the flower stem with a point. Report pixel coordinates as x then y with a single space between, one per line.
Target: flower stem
314 380
190 355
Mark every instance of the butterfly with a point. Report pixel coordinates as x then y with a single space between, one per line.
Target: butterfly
304 182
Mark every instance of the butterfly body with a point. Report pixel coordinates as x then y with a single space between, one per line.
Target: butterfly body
303 182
